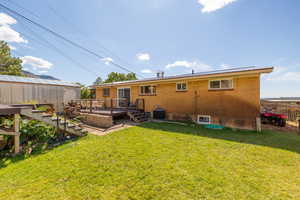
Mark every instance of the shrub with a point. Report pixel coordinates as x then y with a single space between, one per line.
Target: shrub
35 131
34 134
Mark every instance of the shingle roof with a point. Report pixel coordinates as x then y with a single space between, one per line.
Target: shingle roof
199 74
20 79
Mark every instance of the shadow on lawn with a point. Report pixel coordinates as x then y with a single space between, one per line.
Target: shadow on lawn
5 161
285 141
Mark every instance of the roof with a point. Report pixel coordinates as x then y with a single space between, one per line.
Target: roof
20 79
194 75
283 99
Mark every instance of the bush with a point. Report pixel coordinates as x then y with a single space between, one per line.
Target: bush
34 134
35 131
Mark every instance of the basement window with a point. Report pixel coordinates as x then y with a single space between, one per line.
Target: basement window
222 84
148 90
203 119
106 92
181 87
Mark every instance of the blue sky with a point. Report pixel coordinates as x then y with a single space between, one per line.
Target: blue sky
146 36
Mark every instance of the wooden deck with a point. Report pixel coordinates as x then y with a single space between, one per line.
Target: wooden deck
9 110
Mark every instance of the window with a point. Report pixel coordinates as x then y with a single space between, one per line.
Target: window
148 90
221 84
181 87
93 93
203 119
106 92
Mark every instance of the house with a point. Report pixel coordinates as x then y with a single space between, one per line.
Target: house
228 97
19 90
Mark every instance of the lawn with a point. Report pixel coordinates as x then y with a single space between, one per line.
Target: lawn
160 161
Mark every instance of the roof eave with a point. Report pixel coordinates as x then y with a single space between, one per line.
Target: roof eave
205 76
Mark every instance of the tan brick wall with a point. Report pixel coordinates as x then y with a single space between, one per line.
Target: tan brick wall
108 102
238 107
97 120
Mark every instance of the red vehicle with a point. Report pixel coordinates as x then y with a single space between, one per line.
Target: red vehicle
275 119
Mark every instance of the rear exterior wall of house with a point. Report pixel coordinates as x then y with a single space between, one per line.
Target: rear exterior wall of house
238 107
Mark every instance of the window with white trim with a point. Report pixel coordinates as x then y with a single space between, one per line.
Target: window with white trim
220 84
181 86
203 119
148 90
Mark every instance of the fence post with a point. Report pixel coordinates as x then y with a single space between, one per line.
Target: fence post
258 124
65 123
299 126
17 132
57 124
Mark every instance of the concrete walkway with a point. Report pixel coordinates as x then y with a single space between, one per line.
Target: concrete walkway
101 132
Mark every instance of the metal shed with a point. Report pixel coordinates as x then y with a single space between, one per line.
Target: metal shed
18 90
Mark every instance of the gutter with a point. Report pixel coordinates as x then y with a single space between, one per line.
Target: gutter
187 77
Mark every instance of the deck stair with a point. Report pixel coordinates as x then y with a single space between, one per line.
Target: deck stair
137 116
52 120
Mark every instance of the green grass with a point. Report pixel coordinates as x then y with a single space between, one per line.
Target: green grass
160 161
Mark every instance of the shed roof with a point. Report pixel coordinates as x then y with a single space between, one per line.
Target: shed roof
283 99
193 75
20 79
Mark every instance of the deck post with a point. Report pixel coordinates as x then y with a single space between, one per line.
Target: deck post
17 133
91 105
111 106
258 124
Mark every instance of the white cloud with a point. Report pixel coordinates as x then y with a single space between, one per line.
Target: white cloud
43 72
198 66
107 60
36 63
147 71
9 35
225 66
287 76
6 19
213 5
12 47
282 74
143 56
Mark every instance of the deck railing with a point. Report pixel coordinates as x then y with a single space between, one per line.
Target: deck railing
91 105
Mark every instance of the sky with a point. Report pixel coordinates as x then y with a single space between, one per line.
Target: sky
148 36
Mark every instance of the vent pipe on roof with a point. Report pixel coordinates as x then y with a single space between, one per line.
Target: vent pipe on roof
160 74
157 74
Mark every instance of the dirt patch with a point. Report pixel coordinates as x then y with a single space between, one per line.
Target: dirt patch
288 128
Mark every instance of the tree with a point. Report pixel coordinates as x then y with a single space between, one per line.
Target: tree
8 64
85 93
98 81
117 77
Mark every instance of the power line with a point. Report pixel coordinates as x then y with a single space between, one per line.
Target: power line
19 6
64 38
74 27
41 40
